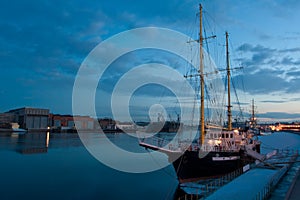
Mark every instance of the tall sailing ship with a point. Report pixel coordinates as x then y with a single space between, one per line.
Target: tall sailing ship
218 150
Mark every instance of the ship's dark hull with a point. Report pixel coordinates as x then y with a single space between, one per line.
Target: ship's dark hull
190 167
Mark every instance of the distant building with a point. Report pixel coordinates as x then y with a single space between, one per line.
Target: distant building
107 124
31 118
126 126
57 120
70 122
7 118
84 122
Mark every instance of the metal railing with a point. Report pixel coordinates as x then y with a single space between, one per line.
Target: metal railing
266 191
208 188
165 143
182 145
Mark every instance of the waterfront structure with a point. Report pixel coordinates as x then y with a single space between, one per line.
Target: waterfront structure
71 122
83 122
31 118
57 121
126 126
7 118
286 127
107 124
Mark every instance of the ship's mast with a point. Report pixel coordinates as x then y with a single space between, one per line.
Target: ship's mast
201 70
229 115
253 120
252 109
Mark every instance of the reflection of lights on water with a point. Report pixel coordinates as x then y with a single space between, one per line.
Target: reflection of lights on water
14 135
47 139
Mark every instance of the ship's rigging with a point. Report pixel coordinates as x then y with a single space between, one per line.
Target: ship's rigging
218 150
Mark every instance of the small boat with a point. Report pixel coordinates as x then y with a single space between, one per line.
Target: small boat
12 127
15 128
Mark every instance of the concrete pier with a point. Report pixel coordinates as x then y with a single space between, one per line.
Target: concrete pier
257 183
254 184
294 191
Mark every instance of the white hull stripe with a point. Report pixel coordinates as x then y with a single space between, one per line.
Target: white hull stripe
225 158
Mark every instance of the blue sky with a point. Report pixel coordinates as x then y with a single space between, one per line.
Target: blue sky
42 44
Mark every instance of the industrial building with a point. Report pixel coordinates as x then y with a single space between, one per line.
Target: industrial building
7 118
31 118
70 122
38 119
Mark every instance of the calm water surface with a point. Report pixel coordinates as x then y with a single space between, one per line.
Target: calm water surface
65 169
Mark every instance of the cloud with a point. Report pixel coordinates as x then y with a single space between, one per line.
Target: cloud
240 103
290 50
295 99
294 74
294 86
272 101
279 115
261 57
281 9
261 82
42 43
256 55
268 69
289 61
256 49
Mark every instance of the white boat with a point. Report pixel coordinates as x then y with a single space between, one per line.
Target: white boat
12 127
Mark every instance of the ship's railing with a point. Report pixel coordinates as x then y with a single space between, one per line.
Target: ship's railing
206 189
215 141
183 145
166 144
221 145
155 141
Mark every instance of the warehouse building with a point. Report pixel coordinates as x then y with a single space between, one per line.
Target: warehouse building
31 118
71 122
